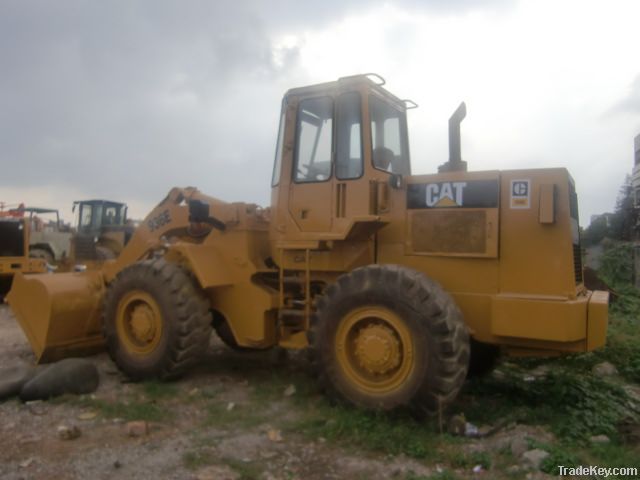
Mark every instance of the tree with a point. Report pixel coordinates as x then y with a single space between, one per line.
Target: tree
621 225
625 216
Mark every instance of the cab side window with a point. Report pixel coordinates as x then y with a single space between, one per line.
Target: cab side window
314 139
388 137
85 215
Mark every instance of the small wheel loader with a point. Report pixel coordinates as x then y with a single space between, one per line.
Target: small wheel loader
390 279
102 230
100 233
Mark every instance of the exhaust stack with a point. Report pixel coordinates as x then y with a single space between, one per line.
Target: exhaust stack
455 163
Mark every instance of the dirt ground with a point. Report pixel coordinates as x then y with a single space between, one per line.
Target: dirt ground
220 422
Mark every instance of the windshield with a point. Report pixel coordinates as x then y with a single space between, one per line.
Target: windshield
389 137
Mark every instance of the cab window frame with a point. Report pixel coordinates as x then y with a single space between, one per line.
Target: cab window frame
339 126
277 164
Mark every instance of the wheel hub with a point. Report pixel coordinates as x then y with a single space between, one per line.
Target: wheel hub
377 349
139 322
143 325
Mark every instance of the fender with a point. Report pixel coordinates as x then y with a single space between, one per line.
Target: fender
204 261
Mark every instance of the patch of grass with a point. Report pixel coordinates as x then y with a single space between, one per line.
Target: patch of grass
241 416
559 454
572 455
613 455
575 404
149 411
209 392
196 459
628 303
271 386
268 387
623 346
388 433
459 459
616 265
126 409
155 390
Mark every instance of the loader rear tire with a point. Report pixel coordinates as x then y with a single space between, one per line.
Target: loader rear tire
156 320
386 337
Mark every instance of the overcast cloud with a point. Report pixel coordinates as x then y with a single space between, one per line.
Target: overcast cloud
124 100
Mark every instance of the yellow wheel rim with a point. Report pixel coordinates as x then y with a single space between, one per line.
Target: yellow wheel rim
375 350
139 322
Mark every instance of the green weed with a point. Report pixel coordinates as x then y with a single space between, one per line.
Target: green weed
134 410
469 460
388 433
155 390
574 404
196 459
218 414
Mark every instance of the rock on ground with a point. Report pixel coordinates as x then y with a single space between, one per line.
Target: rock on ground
604 369
599 439
216 472
68 432
519 445
137 428
13 378
535 457
71 375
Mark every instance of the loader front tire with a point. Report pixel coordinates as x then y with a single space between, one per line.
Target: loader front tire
386 337
156 320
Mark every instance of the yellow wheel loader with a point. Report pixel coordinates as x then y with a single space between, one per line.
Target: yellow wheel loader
387 277
102 230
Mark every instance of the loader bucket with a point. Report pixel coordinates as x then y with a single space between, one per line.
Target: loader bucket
59 313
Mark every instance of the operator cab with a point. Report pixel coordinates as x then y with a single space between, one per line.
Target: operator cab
336 141
93 215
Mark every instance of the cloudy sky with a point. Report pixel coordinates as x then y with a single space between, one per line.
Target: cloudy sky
125 99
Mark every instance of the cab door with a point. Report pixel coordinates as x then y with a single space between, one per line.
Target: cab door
352 187
311 191
329 187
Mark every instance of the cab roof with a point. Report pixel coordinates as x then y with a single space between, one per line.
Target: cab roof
372 81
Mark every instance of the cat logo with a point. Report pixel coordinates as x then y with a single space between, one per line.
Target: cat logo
520 193
482 193
446 194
